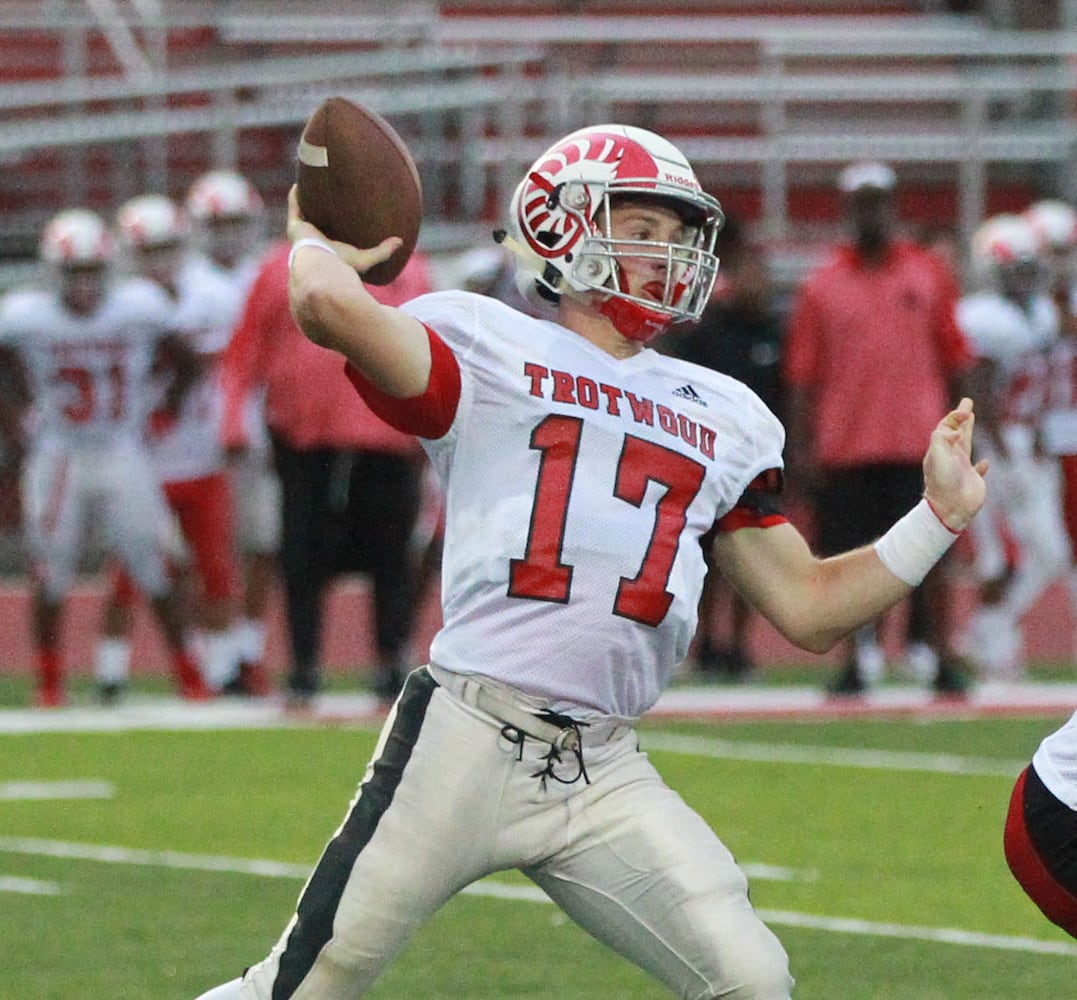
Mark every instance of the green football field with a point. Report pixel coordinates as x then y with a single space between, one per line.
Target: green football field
154 864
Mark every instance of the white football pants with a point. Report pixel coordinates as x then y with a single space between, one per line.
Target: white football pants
449 797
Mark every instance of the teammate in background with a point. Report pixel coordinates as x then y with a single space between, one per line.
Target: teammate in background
1041 827
1014 324
739 334
872 353
229 221
185 445
579 486
1055 222
351 484
86 349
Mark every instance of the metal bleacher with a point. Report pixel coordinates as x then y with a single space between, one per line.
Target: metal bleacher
137 95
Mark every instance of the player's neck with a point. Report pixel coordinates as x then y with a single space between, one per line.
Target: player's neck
581 318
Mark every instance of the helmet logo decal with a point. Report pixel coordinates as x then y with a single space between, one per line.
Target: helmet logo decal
555 214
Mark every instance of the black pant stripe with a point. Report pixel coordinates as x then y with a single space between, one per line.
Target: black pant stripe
318 904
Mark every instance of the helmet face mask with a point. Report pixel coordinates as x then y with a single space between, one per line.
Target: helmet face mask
563 209
601 261
82 286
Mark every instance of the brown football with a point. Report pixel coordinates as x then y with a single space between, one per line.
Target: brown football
358 183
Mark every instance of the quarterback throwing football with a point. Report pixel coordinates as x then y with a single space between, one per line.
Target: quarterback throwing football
581 469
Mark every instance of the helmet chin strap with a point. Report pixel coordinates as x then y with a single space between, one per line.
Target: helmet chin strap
633 321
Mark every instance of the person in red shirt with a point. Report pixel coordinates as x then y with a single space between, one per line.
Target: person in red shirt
872 353
350 483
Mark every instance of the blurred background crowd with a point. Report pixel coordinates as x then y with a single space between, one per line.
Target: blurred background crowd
899 184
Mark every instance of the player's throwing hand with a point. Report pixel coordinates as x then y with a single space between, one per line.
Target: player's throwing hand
360 259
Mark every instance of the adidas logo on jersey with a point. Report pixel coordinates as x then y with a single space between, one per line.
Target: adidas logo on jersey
688 392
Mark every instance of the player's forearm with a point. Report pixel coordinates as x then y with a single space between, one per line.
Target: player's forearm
335 311
846 591
813 602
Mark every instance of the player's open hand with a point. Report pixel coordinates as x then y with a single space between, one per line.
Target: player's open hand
953 485
358 258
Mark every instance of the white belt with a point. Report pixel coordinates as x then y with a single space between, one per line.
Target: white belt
503 706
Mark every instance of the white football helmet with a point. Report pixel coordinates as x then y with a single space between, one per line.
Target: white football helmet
151 220
1004 245
560 217
222 194
1054 222
76 237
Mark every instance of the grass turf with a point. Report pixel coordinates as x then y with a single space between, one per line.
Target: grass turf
907 848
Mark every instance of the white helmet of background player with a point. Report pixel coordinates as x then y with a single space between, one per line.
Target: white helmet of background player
149 221
560 216
153 230
76 237
1055 223
78 244
223 194
1006 254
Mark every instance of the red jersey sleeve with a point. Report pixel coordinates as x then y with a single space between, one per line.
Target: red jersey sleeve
429 415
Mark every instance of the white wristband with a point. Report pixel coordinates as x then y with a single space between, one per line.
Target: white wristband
915 543
308 241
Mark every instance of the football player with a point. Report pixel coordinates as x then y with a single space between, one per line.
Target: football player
228 218
1021 544
1041 827
87 346
1055 222
184 441
578 486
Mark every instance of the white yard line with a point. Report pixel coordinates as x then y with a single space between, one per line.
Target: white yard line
715 702
34 791
795 753
154 859
502 890
941 935
29 886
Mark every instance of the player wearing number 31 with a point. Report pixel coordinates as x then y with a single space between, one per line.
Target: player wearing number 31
581 470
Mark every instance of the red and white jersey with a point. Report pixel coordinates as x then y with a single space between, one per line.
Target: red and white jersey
1018 341
203 313
1055 761
577 489
91 375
